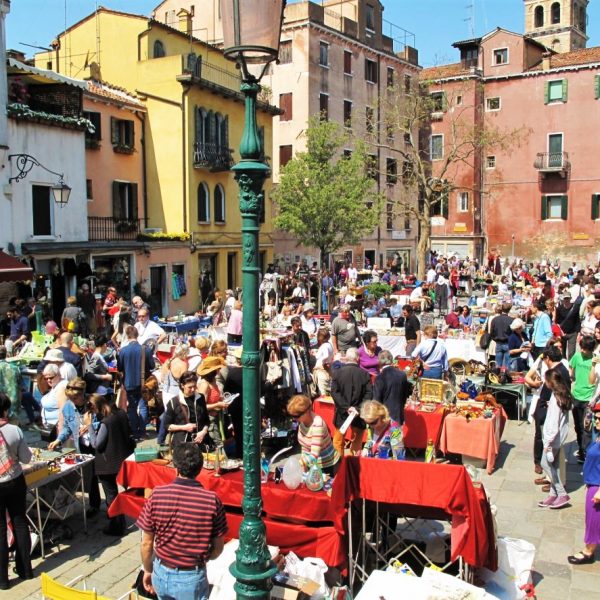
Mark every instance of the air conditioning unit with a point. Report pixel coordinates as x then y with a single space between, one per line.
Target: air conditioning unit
152 230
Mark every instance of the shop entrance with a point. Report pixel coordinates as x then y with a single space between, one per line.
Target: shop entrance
158 291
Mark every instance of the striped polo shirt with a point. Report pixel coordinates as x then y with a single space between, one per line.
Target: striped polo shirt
183 517
316 444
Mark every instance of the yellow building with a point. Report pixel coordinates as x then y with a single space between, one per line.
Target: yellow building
195 116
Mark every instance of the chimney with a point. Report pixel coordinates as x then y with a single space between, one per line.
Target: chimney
546 61
185 21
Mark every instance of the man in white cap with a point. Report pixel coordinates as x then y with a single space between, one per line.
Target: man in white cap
54 356
309 321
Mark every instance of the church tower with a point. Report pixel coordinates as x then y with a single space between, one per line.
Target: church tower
558 24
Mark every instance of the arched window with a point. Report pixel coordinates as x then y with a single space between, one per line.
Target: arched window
555 13
203 204
538 19
556 45
219 204
159 49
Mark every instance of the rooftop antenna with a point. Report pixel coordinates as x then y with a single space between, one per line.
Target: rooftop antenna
471 18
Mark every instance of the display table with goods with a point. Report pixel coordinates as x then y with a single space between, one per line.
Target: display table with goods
184 323
55 490
422 423
300 520
517 388
474 429
410 491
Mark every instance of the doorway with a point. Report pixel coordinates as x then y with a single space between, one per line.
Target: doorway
231 270
158 291
369 259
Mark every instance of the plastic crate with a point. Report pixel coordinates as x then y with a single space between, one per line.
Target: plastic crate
145 454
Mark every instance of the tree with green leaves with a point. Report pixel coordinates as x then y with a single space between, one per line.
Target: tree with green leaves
327 198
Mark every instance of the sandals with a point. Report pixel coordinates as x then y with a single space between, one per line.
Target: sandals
581 558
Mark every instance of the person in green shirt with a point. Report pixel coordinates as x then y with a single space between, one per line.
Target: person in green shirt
10 382
582 390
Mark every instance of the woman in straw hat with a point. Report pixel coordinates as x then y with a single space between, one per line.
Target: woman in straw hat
208 371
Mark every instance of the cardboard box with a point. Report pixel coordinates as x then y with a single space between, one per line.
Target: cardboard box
294 588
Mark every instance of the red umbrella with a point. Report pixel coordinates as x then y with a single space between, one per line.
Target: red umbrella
12 269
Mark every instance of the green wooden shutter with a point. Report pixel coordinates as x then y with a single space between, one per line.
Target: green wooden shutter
444 206
546 92
444 102
597 86
116 201
544 208
595 206
114 131
565 89
134 201
564 207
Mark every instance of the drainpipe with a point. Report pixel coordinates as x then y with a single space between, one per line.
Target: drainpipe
142 119
184 153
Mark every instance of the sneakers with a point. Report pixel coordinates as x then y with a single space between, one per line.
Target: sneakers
561 501
548 502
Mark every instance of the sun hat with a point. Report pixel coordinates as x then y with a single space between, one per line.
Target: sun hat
202 343
308 306
210 364
54 355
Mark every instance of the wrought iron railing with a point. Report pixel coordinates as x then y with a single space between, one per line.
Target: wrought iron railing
106 229
212 156
552 161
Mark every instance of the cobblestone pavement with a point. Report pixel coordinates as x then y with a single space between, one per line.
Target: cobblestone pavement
111 564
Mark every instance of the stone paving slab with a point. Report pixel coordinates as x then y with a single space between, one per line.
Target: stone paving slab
112 564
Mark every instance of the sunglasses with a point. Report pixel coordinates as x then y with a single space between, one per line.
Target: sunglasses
298 415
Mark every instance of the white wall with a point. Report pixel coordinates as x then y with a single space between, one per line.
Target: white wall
58 149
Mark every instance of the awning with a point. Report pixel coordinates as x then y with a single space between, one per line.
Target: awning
12 269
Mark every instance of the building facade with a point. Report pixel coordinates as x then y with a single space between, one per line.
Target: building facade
194 115
539 192
337 58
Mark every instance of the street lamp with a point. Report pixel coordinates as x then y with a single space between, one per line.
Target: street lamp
251 32
25 162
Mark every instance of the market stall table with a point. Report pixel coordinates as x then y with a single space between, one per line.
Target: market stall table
298 520
478 437
421 426
456 347
70 479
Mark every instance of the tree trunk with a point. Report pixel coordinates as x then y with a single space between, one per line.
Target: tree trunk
320 282
423 246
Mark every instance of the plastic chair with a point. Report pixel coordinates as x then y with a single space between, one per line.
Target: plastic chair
53 590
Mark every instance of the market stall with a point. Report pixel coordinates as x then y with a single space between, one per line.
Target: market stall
474 435
464 348
420 425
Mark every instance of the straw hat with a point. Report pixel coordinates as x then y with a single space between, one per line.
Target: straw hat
54 355
210 364
202 343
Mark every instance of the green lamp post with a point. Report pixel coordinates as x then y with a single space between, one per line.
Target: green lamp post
251 32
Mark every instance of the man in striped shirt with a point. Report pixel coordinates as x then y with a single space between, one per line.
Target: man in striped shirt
184 524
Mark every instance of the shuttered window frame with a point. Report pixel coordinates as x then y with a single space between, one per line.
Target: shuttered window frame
564 93
595 207
564 209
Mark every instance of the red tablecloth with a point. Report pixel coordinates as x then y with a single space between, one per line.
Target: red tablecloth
422 486
278 501
478 437
323 541
325 408
419 427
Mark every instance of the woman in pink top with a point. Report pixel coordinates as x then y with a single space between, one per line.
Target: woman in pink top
234 326
368 353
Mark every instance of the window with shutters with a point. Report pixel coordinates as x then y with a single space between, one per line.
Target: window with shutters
436 147
369 119
347 62
390 77
158 51
372 166
462 202
490 162
554 208
324 106
211 144
285 104
89 193
219 201
203 203
92 140
348 113
41 210
555 91
492 104
595 207
500 56
125 201
597 87
439 204
122 135
389 216
370 17
438 101
324 54
285 155
370 71
285 52
391 171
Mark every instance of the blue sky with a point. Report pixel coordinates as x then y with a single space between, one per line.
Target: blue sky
435 23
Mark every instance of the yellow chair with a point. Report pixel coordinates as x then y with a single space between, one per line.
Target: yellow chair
53 590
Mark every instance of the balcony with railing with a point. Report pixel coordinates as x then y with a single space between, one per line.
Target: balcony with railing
211 156
108 229
552 162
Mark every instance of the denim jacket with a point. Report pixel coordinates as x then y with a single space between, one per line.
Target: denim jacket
71 424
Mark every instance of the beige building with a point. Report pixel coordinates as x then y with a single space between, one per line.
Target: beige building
337 57
557 24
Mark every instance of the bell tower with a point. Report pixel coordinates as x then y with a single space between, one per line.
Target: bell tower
558 24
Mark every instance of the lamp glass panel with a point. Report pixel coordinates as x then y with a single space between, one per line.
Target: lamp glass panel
259 27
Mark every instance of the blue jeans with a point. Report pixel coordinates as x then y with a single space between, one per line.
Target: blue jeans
502 355
137 411
173 584
433 373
